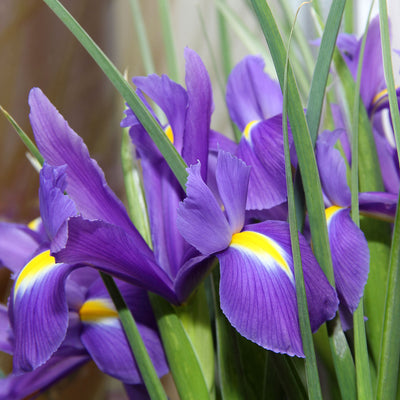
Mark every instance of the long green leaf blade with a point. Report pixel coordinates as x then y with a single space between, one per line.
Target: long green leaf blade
390 349
169 152
184 365
313 384
149 375
342 357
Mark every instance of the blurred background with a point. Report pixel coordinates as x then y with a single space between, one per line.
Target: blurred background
37 50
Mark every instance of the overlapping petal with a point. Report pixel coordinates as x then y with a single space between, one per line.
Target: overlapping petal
251 95
5 331
17 244
27 385
262 149
55 205
350 258
39 311
111 249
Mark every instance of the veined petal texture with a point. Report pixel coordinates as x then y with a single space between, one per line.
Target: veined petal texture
86 184
39 311
350 258
257 288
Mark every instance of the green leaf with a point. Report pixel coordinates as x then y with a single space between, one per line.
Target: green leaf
390 350
147 371
304 148
24 137
241 363
145 49
167 149
182 359
313 384
165 16
195 318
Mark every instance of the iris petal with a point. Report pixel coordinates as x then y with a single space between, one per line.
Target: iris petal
39 311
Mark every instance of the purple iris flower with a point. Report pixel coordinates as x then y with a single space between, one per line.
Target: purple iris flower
350 254
257 286
255 105
375 98
60 315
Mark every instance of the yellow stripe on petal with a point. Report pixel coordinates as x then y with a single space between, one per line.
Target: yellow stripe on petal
261 246
330 211
247 129
34 224
169 133
36 266
379 97
95 310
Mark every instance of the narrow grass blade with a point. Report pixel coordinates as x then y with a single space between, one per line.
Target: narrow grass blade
224 42
342 356
321 71
390 350
313 384
363 374
140 28
169 152
182 359
165 16
349 17
149 375
24 137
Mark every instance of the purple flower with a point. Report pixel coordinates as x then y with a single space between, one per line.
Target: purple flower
61 314
257 288
255 105
350 254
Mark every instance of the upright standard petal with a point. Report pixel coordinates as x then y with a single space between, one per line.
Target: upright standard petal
86 184
55 205
200 107
251 94
233 192
200 219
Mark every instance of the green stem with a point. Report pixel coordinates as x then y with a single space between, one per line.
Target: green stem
149 374
174 160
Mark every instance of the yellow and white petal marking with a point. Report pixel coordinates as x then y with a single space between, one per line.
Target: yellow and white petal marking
34 224
38 266
264 248
169 133
98 311
248 128
380 97
330 212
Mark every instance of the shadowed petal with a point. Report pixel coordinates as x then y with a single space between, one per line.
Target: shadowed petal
5 331
30 384
17 244
110 249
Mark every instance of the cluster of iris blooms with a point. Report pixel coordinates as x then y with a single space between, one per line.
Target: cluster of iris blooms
59 313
